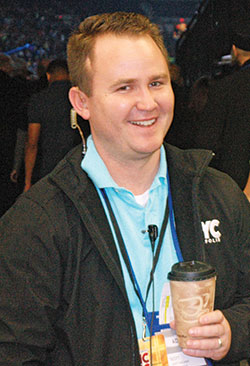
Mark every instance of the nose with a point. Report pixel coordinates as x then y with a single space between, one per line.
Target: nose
146 100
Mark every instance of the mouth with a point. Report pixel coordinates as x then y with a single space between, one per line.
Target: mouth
147 123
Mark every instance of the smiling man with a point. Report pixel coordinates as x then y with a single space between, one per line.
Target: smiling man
83 267
130 106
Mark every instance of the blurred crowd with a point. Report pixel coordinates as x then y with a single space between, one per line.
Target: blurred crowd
39 31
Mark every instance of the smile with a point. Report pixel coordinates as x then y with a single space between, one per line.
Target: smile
143 123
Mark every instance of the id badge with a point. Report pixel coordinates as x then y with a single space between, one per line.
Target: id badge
159 351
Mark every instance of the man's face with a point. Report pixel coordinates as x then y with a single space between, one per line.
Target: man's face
131 105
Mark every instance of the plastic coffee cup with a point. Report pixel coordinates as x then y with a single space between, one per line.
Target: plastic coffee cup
192 287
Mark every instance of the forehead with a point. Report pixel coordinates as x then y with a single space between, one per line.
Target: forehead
124 52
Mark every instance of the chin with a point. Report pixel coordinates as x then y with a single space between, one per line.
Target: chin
148 146
150 150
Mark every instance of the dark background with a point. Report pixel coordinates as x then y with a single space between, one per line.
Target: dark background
157 7
209 36
210 24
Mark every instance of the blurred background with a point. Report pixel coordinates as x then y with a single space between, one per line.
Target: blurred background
197 33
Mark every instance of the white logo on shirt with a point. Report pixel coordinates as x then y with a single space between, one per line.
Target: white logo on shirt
211 233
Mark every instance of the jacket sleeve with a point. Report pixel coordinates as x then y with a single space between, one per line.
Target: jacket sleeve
30 278
238 315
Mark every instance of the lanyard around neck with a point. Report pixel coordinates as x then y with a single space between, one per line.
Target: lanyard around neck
172 224
168 213
126 257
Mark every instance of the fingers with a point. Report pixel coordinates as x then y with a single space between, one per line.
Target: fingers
208 349
212 317
208 329
172 324
212 339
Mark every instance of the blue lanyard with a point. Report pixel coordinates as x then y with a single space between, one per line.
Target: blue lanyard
147 316
172 225
169 212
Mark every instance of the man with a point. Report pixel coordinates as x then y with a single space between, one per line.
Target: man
224 125
79 285
35 86
12 92
49 119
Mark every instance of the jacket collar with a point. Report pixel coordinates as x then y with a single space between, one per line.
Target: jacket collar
185 167
191 163
74 182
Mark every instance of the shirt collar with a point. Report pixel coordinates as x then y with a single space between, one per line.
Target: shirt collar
97 171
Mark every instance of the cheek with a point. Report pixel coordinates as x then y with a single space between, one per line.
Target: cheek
118 108
121 102
169 102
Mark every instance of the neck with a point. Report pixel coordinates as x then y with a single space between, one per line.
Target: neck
136 176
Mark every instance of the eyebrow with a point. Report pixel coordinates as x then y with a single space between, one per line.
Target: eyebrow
122 81
161 76
131 80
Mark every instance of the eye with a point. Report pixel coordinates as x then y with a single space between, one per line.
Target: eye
156 83
124 88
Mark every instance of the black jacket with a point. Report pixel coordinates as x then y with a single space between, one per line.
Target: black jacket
224 125
63 299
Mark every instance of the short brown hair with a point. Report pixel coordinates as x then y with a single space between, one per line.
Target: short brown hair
81 42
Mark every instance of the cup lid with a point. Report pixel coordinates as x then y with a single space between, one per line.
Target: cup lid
191 271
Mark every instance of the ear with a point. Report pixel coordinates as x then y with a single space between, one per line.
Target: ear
79 101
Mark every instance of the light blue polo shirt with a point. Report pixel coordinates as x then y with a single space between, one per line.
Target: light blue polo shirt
133 219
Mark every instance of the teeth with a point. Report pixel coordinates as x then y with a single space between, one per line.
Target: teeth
143 123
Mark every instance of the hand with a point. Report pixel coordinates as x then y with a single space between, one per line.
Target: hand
213 327
14 176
